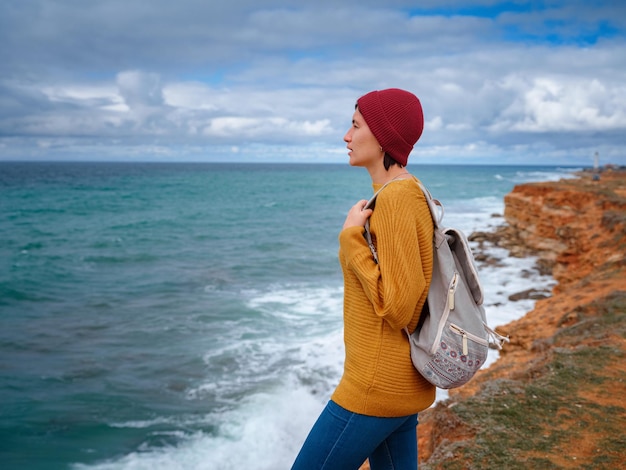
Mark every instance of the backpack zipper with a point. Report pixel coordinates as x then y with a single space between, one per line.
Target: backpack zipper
465 336
449 306
452 290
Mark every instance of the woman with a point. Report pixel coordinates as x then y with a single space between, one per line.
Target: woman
373 411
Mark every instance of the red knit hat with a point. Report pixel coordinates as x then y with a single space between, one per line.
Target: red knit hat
395 118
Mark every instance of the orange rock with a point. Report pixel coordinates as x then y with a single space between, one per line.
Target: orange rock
578 227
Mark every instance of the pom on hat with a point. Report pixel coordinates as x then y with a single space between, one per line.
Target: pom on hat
396 119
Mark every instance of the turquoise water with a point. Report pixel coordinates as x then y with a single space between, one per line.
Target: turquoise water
184 315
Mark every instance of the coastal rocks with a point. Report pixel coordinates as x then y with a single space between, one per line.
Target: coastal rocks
533 294
573 225
568 225
554 372
509 238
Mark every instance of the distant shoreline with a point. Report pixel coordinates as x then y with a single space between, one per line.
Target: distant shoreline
284 163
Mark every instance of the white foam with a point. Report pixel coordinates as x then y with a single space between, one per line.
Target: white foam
300 303
263 431
547 174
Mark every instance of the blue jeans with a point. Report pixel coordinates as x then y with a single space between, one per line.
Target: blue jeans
342 440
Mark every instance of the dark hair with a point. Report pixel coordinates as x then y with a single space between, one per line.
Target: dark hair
389 162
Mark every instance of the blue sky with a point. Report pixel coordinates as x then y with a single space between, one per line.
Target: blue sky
513 82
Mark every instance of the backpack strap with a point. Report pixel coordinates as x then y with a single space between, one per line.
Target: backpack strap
368 235
496 338
434 205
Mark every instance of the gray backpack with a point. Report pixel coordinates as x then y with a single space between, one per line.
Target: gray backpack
452 338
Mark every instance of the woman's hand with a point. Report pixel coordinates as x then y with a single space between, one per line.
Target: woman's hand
357 216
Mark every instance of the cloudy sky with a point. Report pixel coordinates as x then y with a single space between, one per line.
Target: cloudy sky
276 80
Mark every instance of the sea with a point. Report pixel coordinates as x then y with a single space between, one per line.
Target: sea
189 315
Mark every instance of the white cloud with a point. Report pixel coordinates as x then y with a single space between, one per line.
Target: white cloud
140 89
190 95
237 126
257 77
563 105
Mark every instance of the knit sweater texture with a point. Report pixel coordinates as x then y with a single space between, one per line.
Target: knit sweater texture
380 300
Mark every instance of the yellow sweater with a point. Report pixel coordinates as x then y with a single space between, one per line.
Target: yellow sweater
380 300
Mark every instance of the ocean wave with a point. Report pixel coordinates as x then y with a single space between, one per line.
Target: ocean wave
547 174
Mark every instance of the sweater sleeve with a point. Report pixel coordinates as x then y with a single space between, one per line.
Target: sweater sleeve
395 285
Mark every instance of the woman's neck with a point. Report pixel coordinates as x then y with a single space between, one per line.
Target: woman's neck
382 176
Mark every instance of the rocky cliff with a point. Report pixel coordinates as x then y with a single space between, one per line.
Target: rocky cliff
555 397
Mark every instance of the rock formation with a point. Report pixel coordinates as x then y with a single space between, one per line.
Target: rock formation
561 380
